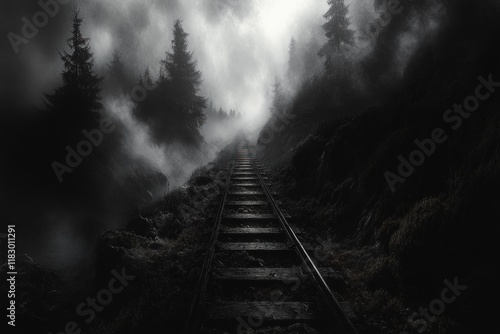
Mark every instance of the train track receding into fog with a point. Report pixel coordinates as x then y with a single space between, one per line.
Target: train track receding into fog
257 274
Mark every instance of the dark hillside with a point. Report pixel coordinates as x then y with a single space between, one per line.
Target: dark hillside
436 222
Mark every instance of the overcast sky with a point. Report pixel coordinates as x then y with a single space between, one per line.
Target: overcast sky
239 45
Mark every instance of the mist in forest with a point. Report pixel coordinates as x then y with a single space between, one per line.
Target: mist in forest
241 53
237 47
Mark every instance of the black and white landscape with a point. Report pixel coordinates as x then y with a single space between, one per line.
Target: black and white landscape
250 166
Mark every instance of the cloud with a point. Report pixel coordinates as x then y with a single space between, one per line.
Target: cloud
239 45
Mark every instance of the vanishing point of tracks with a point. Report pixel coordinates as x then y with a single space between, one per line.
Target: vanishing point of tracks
257 274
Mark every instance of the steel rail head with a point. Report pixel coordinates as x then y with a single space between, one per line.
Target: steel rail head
329 298
192 320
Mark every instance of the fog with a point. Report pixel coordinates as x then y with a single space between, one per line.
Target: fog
240 48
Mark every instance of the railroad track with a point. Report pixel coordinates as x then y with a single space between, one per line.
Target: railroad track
257 274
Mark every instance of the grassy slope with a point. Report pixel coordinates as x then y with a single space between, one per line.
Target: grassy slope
397 248
161 247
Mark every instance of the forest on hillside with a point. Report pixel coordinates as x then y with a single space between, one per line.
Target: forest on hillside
402 163
106 140
376 123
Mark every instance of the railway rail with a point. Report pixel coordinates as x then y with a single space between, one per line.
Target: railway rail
257 274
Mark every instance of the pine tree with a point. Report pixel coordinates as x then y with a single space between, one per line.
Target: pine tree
292 53
278 103
172 108
210 110
185 80
337 30
379 3
116 69
81 87
293 62
222 114
147 80
116 78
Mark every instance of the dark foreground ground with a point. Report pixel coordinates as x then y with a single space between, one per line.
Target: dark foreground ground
149 266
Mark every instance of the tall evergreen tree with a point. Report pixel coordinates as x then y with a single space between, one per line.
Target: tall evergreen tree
293 62
278 103
210 111
292 51
337 30
185 80
80 92
379 3
222 113
116 77
172 107
116 68
147 80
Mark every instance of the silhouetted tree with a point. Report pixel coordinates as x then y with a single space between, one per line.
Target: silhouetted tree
117 80
147 80
222 114
185 80
172 107
79 95
379 3
73 108
338 32
293 62
116 69
278 103
211 112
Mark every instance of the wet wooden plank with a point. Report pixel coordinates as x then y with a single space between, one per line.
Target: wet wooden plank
258 246
249 216
250 167
251 230
272 274
247 203
241 203
270 311
256 230
247 178
248 185
243 169
246 193
254 246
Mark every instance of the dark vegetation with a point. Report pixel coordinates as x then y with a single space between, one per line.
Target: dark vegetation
337 137
398 247
217 115
159 246
107 183
176 91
